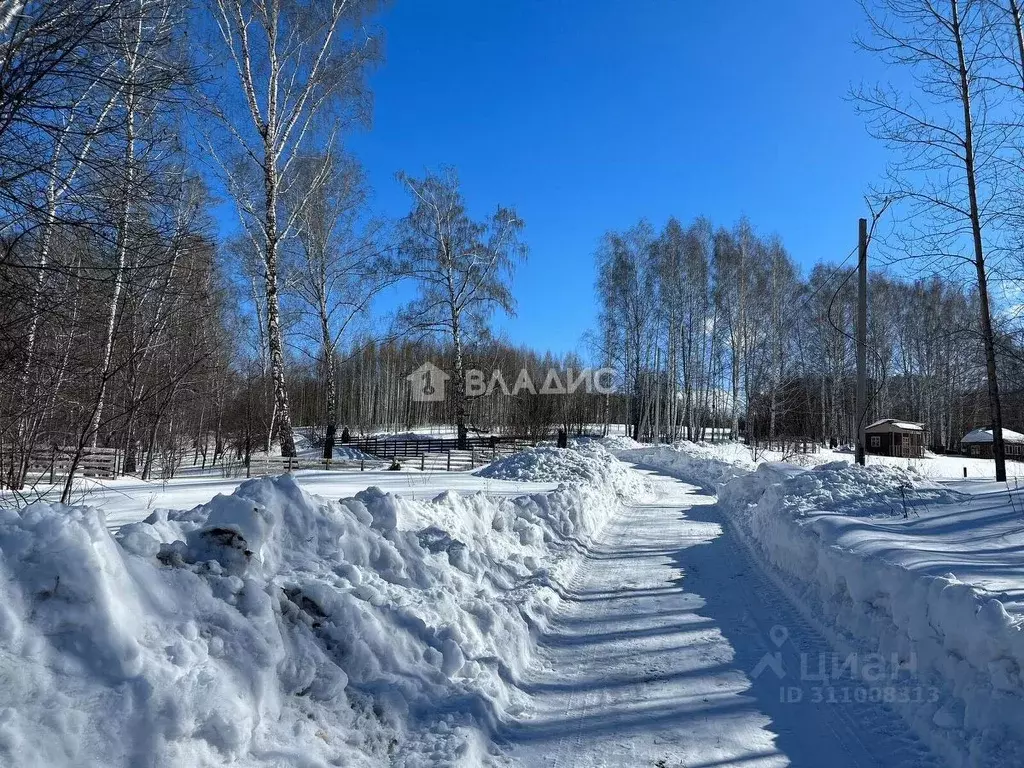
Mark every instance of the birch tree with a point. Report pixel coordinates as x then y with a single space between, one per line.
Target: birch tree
341 264
627 291
148 72
461 267
51 53
298 67
732 261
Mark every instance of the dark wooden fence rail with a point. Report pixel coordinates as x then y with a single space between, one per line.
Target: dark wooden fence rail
399 449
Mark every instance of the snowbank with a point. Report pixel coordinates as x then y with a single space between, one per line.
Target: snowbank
951 637
272 627
946 636
619 443
585 462
708 465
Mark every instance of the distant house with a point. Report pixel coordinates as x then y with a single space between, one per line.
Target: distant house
892 437
978 443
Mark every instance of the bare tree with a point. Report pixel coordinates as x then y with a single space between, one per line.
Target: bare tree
734 260
627 292
952 144
299 65
340 266
51 55
462 268
149 70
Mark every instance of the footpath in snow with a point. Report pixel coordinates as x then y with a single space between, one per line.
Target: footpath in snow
657 658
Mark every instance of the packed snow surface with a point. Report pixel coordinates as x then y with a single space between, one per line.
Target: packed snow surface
657 659
272 627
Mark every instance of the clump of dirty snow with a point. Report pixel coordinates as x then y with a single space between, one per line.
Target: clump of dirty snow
273 627
584 462
958 648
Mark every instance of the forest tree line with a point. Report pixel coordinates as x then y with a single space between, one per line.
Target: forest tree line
710 326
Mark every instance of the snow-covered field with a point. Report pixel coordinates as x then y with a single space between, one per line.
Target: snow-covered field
129 499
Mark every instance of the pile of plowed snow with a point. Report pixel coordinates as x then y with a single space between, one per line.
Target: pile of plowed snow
271 627
585 462
619 443
845 488
708 465
958 650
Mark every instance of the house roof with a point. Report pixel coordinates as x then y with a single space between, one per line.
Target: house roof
895 425
985 436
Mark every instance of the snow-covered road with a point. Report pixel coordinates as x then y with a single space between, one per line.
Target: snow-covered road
674 650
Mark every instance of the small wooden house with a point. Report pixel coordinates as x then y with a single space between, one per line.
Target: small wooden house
978 444
892 437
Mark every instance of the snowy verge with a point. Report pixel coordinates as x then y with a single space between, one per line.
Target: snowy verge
619 443
958 652
272 627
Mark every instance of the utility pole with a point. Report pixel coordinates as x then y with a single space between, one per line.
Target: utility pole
862 338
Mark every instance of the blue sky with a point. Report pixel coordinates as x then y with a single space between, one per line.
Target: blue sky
588 115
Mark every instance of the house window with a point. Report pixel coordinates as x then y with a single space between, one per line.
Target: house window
975 450
876 441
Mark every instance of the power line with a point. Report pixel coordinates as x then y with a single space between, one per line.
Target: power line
829 279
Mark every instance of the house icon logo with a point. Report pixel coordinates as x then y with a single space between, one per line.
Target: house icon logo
427 383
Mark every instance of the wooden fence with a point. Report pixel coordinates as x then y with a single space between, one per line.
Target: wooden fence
425 461
434 455
56 461
399 449
258 466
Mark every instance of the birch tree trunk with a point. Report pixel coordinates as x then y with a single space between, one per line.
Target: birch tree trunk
282 418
